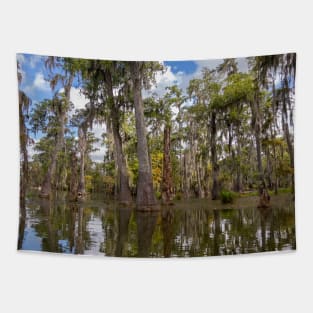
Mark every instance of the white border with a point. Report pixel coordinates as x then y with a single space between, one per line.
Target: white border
155 30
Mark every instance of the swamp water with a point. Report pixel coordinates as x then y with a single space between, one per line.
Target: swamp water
187 229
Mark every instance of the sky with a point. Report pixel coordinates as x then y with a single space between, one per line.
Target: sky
35 85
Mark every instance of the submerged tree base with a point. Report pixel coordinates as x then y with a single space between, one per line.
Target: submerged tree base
148 208
264 199
44 195
167 203
77 197
81 196
127 203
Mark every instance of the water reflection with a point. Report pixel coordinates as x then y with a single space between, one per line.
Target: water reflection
107 229
21 226
217 232
146 223
122 234
167 230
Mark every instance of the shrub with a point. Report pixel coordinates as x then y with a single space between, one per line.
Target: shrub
178 196
158 195
227 196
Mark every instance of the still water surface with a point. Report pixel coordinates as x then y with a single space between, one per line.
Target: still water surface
190 228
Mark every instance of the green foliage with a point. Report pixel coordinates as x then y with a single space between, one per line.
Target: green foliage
133 167
178 196
109 183
88 183
158 195
236 105
239 88
157 166
227 196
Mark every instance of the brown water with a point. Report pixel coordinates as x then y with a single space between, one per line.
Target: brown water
190 228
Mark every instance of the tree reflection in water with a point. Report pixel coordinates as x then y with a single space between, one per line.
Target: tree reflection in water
146 222
124 214
167 230
21 226
94 228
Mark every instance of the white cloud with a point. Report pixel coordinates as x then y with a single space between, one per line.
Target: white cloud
242 65
78 99
40 82
182 80
163 80
97 156
212 64
34 60
98 129
167 78
21 59
31 149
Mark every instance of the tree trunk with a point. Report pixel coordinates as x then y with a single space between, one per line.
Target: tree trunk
269 169
167 182
23 176
275 170
46 185
263 192
81 191
288 138
124 193
273 135
215 168
186 174
74 178
23 152
238 172
231 154
206 180
145 192
199 182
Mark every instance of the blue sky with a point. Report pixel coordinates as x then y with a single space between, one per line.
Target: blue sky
187 67
37 88
35 85
35 74
33 80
